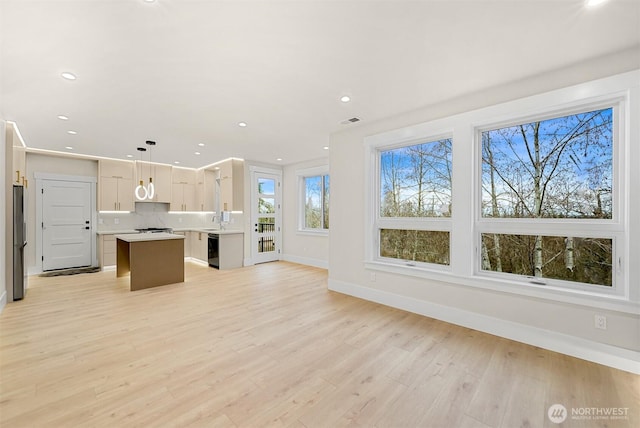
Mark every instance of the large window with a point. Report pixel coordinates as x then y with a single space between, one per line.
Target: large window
557 172
314 196
414 198
534 196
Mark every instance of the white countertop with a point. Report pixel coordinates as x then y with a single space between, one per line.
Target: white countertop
182 229
206 230
116 232
139 237
224 232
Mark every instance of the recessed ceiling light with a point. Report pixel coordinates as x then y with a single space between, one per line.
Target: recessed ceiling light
594 3
149 1
326 147
72 132
129 156
176 162
68 76
345 98
279 159
201 144
196 153
242 124
62 117
69 148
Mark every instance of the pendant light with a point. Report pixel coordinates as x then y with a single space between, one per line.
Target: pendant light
151 190
141 191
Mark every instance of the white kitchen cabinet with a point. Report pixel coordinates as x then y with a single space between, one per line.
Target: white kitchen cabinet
19 165
187 242
230 250
183 190
107 246
199 245
161 175
231 185
205 189
115 186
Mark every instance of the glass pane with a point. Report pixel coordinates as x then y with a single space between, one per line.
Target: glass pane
266 186
415 245
415 181
266 234
266 225
266 205
586 260
325 212
313 202
556 168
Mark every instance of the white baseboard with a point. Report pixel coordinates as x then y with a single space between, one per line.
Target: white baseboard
323 264
196 261
619 358
3 300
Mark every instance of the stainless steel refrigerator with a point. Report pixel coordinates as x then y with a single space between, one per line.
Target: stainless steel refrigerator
19 242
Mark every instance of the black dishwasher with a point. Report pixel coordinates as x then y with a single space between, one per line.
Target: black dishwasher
214 250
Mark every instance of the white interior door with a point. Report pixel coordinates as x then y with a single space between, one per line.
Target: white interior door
66 224
265 217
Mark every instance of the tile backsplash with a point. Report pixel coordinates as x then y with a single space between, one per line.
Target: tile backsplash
150 214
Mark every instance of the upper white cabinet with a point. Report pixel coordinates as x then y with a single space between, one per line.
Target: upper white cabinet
205 191
161 177
19 160
115 186
183 190
231 185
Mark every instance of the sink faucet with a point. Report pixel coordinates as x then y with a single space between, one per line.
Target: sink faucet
219 219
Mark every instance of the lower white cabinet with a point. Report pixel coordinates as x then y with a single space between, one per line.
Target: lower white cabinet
187 243
198 243
107 246
230 250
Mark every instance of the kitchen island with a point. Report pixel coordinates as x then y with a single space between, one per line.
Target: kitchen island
150 259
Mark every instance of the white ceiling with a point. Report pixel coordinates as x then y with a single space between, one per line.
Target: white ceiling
185 72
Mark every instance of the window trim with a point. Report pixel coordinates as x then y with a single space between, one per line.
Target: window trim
378 222
623 88
606 228
301 175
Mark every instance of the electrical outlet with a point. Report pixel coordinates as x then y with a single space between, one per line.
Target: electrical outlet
116 220
179 219
373 276
601 322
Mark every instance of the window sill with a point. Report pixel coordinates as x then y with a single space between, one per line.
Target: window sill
546 292
313 232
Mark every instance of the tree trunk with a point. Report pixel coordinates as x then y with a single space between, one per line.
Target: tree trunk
537 183
494 207
568 254
537 257
486 262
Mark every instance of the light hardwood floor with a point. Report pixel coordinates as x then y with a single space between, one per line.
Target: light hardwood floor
269 345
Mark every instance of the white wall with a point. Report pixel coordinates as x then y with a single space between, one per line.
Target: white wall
298 247
3 217
563 327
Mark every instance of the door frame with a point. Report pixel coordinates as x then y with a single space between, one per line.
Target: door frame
41 177
253 171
